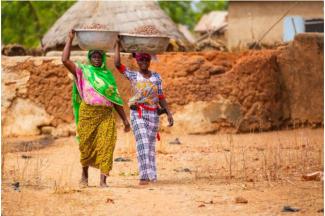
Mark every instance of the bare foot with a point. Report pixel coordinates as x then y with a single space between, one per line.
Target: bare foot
154 181
102 181
103 185
143 182
83 182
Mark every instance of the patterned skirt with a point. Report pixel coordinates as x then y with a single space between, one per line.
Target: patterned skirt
97 136
145 129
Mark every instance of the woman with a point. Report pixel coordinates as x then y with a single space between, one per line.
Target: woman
148 95
94 96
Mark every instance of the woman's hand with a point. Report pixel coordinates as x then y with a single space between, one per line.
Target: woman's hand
170 119
71 34
117 42
127 127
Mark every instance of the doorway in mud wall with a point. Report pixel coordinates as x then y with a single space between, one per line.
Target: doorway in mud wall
294 25
314 25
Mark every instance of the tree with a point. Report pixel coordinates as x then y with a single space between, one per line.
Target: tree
25 22
179 11
190 12
208 6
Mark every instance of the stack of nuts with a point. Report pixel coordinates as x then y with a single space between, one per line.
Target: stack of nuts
95 26
146 30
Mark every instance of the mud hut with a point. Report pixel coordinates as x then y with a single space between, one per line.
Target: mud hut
211 31
122 16
263 22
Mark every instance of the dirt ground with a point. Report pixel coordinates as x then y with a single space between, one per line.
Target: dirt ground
201 176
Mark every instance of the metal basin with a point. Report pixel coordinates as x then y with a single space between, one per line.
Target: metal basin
152 44
90 39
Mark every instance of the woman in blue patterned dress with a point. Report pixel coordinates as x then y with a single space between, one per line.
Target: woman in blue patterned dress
148 96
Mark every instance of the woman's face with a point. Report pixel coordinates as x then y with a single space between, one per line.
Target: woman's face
143 63
96 59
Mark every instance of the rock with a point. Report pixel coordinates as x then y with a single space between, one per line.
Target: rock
176 142
223 109
64 130
16 186
315 176
194 64
183 170
11 62
217 70
191 120
121 159
46 130
26 144
26 156
202 74
109 200
205 117
13 84
24 117
38 62
241 200
186 170
290 209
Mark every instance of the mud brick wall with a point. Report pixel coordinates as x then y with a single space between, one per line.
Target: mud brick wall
266 89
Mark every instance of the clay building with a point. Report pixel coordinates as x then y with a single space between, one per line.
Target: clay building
252 21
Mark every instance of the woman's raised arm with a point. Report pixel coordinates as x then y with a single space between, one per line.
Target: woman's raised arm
66 54
117 58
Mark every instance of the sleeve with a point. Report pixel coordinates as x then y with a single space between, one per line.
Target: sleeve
126 72
160 89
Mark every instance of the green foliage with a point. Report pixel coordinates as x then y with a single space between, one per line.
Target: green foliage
190 12
208 6
25 22
179 11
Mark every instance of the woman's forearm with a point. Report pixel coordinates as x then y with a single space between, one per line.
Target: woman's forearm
120 111
66 55
67 50
163 104
117 57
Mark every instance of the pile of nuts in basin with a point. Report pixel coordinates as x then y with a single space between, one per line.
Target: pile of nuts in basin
95 26
142 30
146 30
144 38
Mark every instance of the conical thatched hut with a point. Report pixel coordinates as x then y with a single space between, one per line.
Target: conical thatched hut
122 16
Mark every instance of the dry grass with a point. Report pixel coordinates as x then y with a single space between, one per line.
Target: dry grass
162 146
269 158
130 143
241 161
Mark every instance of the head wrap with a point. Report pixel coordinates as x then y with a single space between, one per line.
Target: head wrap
142 56
102 53
90 52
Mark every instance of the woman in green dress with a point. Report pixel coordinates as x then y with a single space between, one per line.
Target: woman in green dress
95 94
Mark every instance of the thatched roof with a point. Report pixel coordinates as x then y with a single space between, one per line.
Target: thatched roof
212 21
187 34
122 16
